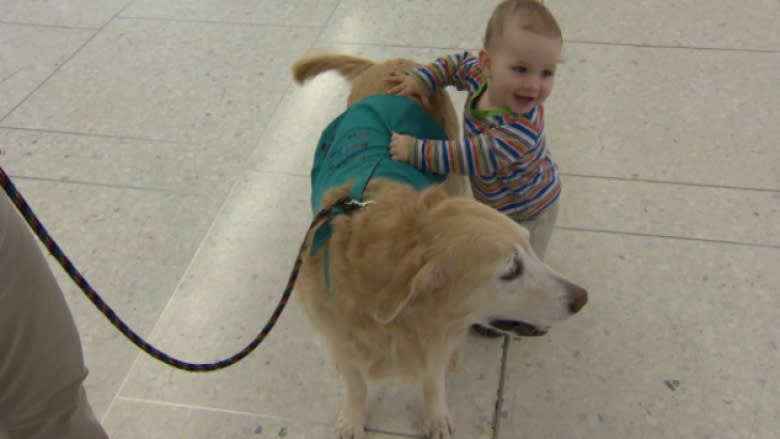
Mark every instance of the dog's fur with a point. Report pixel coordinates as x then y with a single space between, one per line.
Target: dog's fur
410 273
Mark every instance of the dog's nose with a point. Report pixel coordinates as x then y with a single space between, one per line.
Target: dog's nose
578 297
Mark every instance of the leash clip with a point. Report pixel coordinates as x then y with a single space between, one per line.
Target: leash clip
349 205
357 204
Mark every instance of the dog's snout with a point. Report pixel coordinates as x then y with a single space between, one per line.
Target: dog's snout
578 297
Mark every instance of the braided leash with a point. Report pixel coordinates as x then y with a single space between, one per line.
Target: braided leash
324 217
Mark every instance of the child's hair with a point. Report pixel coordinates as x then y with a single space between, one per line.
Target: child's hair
530 15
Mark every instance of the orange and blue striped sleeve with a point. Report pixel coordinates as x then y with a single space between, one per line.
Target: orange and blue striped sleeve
447 70
483 154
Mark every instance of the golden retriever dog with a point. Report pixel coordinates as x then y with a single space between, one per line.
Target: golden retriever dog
399 281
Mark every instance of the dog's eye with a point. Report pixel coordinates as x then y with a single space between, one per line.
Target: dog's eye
515 272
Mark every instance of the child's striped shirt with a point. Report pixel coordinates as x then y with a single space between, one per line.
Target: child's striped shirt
504 153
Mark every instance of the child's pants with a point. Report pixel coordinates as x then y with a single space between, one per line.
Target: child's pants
541 229
41 364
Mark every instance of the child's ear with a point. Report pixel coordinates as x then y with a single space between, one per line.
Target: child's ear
485 62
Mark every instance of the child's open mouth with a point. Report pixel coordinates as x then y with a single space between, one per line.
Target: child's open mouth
524 100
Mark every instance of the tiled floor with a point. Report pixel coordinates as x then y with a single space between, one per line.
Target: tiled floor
167 149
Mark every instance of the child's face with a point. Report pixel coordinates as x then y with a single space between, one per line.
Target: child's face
521 69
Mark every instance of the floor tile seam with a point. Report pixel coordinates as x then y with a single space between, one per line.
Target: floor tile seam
325 25
597 177
671 237
280 101
64 63
394 433
48 77
266 417
283 96
395 45
564 174
566 41
671 182
201 246
217 22
250 148
500 391
151 189
669 46
11 75
51 26
304 174
104 135
173 404
97 184
160 190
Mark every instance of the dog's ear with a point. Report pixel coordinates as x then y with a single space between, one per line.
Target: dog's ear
391 301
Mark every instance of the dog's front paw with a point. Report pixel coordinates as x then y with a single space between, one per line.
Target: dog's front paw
440 427
348 430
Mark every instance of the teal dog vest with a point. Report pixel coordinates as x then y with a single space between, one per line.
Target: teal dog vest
356 147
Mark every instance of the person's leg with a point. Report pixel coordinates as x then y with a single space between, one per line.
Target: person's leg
541 229
42 366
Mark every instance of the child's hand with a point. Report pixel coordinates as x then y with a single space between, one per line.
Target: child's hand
406 85
400 144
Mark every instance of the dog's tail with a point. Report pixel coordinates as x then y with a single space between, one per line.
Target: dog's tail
347 65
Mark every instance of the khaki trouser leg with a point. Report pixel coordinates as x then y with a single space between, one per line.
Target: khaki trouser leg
541 229
41 363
